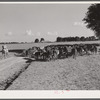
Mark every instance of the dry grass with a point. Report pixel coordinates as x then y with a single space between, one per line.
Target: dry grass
64 74
10 68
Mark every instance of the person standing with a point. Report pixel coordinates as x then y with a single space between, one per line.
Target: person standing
4 51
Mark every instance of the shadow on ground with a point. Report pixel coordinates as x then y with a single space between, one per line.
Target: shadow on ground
29 60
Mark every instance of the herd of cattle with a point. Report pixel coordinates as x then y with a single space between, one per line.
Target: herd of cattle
53 52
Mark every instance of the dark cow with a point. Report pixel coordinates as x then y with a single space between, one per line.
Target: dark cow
53 52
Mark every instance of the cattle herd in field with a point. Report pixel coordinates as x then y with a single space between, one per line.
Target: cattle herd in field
53 52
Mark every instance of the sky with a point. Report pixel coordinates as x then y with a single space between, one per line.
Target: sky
26 22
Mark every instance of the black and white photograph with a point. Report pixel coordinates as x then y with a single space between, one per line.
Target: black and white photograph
50 46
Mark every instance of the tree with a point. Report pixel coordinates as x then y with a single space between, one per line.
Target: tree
92 19
77 38
59 39
42 40
36 40
82 38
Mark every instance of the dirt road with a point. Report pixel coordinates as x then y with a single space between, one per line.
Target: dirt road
10 68
64 74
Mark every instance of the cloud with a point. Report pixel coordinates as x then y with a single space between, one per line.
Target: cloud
29 33
38 33
9 34
52 33
79 24
49 33
55 33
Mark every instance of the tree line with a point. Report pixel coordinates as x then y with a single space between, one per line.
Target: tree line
64 39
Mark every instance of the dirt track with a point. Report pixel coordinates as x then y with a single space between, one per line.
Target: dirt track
10 69
64 74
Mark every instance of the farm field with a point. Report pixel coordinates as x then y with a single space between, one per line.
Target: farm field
64 74
29 45
21 73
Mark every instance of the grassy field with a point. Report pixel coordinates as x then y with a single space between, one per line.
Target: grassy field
82 73
29 45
